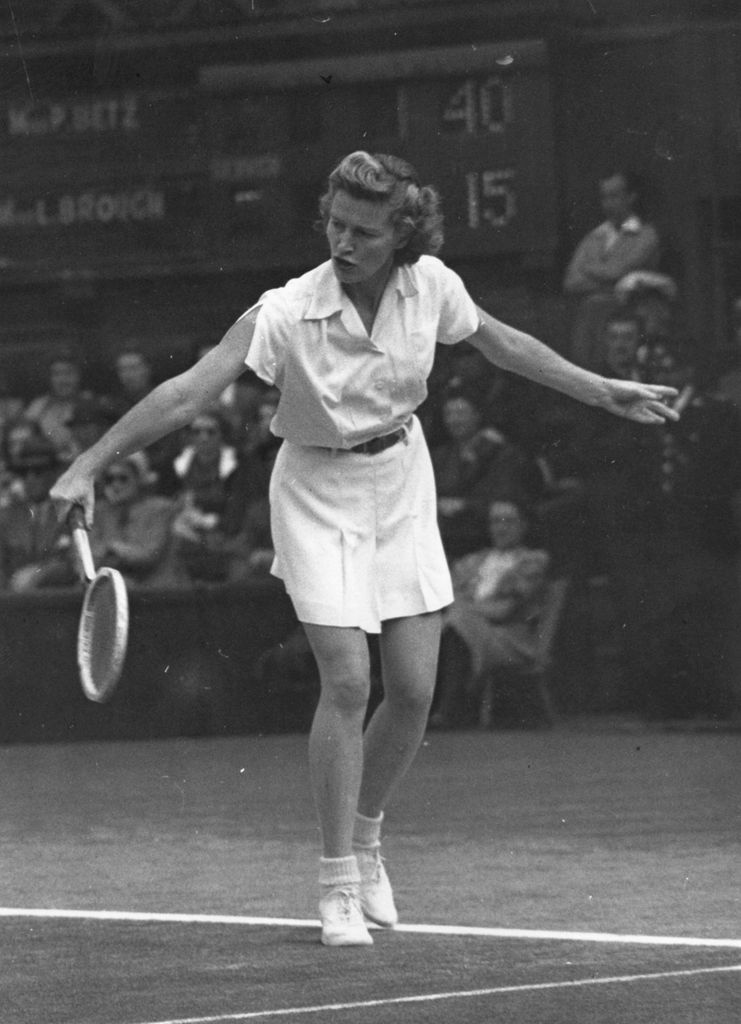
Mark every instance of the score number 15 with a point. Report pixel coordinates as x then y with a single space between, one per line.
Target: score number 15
490 198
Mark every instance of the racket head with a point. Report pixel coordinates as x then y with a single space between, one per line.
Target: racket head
103 633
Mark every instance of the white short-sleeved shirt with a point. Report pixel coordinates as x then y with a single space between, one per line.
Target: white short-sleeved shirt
339 387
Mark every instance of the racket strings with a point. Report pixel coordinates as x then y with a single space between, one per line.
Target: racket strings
103 634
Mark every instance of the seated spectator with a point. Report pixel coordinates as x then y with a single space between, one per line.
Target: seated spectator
728 376
239 403
651 298
246 521
91 417
562 439
206 469
621 244
668 504
17 433
621 339
475 463
135 379
132 529
491 624
34 546
11 406
559 520
53 410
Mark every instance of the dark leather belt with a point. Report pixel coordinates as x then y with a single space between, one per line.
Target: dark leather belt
380 444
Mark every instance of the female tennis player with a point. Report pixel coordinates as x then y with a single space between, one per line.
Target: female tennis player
349 345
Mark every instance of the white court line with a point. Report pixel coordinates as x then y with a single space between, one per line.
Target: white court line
296 1011
418 929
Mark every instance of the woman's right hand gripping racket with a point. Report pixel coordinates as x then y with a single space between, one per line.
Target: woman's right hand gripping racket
103 632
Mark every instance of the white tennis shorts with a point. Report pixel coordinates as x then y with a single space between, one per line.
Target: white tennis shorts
356 536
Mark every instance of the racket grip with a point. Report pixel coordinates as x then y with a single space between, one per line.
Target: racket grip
81 542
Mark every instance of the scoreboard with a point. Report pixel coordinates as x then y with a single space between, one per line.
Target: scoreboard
227 175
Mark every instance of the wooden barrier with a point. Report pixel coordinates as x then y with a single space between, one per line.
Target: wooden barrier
192 666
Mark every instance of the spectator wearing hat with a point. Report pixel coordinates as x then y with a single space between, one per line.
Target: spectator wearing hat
34 546
132 530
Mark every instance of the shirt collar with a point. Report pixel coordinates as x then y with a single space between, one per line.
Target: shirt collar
327 296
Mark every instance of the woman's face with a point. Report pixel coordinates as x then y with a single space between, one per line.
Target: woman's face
120 483
506 525
362 239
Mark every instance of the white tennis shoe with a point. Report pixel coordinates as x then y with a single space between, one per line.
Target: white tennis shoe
343 923
376 894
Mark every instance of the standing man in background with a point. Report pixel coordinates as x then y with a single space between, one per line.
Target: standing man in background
622 243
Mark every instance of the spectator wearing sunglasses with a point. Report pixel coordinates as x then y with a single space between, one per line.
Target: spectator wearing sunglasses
132 531
206 468
34 546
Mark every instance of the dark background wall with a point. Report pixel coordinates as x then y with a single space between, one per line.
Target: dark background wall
224 88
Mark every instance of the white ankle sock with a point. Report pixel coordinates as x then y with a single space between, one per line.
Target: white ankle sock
367 832
336 871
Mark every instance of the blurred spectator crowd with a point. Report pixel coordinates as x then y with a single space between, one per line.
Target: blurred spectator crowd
531 486
191 508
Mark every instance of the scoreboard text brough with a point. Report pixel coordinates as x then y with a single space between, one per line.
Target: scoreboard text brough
228 175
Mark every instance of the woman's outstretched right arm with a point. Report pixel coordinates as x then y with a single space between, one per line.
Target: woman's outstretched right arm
170 406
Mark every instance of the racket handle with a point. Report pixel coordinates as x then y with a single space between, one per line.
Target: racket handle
81 542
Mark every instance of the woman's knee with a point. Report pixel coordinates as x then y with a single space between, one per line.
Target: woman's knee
345 679
344 665
347 689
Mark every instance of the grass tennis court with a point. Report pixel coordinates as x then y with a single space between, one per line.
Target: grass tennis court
573 876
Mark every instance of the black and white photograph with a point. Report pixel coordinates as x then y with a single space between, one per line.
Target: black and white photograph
370 511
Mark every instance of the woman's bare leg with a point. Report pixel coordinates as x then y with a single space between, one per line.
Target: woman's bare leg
336 739
409 652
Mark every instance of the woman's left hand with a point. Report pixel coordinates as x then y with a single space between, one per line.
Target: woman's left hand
642 403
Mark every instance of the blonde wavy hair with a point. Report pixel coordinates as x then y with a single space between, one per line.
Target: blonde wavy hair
388 179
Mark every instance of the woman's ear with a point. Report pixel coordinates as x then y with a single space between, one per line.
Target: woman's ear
402 233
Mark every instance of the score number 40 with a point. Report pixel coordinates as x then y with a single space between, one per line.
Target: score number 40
480 105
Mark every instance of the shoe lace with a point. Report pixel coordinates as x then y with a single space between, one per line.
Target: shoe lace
345 906
376 862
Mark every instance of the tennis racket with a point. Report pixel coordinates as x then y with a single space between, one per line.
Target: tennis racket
103 631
